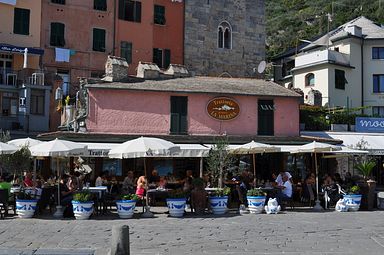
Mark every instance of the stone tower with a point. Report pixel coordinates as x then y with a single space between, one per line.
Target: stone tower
224 37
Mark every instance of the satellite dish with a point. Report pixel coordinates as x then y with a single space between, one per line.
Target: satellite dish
261 66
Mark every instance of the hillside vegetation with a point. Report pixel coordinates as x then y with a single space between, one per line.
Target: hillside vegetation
288 21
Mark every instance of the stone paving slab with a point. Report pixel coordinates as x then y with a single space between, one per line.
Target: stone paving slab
291 232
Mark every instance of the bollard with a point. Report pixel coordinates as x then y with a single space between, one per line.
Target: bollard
120 240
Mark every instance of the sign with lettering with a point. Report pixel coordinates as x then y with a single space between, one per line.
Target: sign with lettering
223 108
374 125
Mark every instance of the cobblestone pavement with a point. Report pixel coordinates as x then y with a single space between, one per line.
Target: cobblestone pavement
291 232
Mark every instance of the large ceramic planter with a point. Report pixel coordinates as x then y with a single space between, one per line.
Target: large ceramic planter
82 210
256 204
26 208
176 206
218 204
125 208
352 202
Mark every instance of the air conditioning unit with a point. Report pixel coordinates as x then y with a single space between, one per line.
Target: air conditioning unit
11 79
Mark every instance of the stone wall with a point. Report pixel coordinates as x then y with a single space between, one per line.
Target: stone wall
202 55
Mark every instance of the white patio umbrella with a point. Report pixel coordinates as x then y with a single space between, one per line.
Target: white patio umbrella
254 148
316 147
7 148
29 142
144 147
56 149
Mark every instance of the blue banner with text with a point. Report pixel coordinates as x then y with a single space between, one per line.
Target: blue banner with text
373 125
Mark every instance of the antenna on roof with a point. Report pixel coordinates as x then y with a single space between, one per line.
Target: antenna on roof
261 67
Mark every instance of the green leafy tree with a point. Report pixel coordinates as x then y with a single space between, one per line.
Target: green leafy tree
219 161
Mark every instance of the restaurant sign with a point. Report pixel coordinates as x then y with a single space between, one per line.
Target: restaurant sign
223 108
364 124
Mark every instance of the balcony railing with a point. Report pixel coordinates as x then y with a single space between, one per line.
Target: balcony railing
320 57
10 77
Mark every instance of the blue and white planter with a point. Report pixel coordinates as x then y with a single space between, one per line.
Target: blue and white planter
25 208
176 206
352 202
82 210
219 205
256 204
125 208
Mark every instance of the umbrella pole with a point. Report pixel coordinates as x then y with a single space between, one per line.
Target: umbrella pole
254 169
59 209
317 206
147 213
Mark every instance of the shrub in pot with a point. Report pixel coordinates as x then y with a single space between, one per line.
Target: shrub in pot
256 200
126 205
82 205
176 203
219 201
25 204
353 198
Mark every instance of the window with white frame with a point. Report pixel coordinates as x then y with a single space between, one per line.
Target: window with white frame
224 35
310 79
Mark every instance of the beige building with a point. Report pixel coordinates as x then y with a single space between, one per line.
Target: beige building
345 66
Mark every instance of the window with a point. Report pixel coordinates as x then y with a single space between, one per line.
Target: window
378 111
378 83
37 101
310 79
159 15
57 34
66 81
179 115
58 1
126 51
265 117
100 5
9 103
21 21
340 80
99 39
130 10
224 36
378 53
162 57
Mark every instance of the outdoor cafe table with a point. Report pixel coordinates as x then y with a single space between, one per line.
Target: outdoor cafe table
100 192
157 193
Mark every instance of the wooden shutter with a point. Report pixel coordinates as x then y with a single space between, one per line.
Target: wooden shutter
265 117
57 34
179 123
137 11
158 57
99 39
126 51
167 58
21 21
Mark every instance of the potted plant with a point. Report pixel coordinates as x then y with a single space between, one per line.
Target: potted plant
353 198
176 203
367 185
82 205
256 200
219 200
126 205
25 204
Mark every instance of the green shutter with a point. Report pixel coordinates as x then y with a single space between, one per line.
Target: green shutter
122 9
265 117
57 34
137 11
159 14
21 21
126 51
100 5
179 124
158 57
167 58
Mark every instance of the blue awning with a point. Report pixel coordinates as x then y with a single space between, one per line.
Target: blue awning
17 49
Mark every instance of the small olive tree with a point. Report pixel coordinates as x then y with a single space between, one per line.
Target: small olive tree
219 161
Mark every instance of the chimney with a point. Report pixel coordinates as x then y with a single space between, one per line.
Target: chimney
148 70
177 71
354 30
116 69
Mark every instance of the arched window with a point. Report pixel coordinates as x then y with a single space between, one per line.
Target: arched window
310 79
224 36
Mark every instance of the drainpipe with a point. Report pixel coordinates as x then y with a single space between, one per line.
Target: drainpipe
114 28
362 75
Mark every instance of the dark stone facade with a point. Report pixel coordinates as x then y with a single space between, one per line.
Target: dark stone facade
202 54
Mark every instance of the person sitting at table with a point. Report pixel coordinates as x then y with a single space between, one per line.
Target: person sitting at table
128 186
154 178
162 182
141 186
66 196
101 180
28 182
279 178
187 187
286 190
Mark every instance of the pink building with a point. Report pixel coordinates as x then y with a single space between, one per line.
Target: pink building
195 107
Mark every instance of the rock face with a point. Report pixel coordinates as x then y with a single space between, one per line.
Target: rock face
241 50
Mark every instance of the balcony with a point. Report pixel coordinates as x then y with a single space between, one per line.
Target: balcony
13 78
321 57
